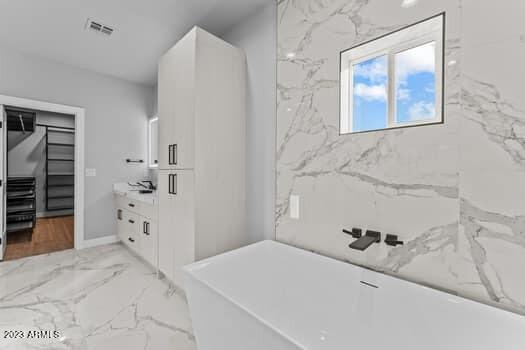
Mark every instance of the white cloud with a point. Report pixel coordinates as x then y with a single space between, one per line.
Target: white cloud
430 89
422 111
375 72
420 59
371 92
403 94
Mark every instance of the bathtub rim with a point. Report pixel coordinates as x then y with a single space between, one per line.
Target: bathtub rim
188 270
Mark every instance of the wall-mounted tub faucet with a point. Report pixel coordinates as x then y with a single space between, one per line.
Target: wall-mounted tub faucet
367 240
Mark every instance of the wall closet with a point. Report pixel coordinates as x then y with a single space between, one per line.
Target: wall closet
40 181
201 184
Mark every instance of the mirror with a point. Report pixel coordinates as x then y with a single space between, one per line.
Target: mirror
153 141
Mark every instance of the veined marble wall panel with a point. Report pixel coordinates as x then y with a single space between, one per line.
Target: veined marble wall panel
492 150
413 181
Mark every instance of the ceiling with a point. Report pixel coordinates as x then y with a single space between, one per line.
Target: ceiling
144 30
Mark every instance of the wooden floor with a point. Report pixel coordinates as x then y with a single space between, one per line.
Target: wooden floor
49 235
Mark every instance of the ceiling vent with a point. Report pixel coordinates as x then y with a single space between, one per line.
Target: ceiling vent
99 27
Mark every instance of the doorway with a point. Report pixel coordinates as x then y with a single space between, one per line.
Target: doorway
42 182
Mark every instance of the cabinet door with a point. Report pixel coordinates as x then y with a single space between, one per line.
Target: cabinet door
176 103
176 222
3 178
121 227
166 108
166 224
148 241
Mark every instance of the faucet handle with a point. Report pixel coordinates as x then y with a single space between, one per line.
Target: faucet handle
392 240
356 232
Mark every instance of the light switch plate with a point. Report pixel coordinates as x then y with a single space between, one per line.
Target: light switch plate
294 206
91 172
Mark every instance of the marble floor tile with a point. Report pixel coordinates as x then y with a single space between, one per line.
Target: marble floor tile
98 298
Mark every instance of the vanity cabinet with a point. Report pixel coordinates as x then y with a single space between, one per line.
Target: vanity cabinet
201 183
137 227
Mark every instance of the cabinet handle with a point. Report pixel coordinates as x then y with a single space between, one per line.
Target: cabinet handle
131 240
146 228
172 184
119 214
172 154
131 205
131 221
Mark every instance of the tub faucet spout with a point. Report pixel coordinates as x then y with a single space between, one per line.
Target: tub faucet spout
367 240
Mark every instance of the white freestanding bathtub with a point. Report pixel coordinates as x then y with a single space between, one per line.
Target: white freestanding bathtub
270 296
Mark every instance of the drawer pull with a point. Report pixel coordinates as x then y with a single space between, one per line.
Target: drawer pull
146 228
131 205
131 240
131 221
119 214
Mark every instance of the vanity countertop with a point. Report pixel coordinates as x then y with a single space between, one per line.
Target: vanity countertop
125 189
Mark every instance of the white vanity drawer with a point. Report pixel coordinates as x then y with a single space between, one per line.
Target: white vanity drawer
130 230
137 207
128 204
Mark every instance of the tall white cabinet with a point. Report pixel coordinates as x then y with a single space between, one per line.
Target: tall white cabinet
201 185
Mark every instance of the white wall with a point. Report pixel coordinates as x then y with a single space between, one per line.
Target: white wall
256 35
116 114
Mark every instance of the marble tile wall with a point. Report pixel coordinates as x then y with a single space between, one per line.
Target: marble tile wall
453 192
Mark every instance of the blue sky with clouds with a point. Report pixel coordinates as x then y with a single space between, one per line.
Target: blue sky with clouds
370 96
415 88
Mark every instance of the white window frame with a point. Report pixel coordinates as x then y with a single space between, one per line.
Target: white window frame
383 46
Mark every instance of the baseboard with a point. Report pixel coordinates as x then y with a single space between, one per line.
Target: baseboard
55 214
98 241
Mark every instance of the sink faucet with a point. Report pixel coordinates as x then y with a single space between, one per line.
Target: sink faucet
150 185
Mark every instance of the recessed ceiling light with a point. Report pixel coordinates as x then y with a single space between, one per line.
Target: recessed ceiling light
290 55
452 62
409 3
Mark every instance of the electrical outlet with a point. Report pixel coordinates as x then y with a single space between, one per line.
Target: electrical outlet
91 172
294 206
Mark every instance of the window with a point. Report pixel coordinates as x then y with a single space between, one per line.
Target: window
395 80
